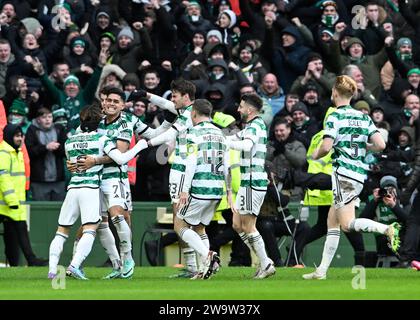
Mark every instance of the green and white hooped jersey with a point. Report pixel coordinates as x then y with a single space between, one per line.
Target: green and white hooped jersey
87 144
351 130
207 144
120 129
182 124
253 173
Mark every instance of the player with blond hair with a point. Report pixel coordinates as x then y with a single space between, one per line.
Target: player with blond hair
349 134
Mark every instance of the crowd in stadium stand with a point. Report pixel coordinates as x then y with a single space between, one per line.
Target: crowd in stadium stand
52 56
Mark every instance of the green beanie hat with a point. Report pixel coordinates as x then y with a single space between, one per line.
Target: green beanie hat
71 79
412 71
19 107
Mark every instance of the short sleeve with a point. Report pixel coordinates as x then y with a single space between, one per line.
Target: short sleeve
330 130
108 144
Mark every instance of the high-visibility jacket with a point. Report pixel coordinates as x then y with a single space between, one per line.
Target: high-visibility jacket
319 197
12 182
3 119
235 160
3 123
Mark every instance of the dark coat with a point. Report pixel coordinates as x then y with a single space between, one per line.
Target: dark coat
38 151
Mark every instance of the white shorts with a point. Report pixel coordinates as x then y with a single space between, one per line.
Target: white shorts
249 201
113 195
198 211
82 202
128 201
345 190
176 181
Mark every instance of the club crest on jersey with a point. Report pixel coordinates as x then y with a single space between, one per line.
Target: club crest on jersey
110 132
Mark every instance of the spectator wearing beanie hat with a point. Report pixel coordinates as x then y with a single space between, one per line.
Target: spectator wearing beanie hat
413 77
130 54
192 21
79 59
214 36
250 64
362 106
316 75
317 108
106 40
102 23
369 65
302 124
70 100
18 114
226 21
399 63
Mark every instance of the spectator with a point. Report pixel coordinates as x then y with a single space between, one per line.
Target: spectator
317 76
250 64
191 21
285 151
80 60
384 207
18 115
72 98
355 53
270 91
8 65
162 32
128 54
377 114
354 72
12 196
303 126
407 116
311 99
61 70
399 63
375 30
45 143
20 94
226 22
287 58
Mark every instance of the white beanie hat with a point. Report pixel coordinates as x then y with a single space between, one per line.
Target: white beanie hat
232 17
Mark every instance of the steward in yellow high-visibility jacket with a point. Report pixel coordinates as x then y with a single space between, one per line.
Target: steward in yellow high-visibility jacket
12 175
324 165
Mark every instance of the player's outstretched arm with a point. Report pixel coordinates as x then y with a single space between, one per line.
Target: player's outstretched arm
122 158
162 103
323 149
243 145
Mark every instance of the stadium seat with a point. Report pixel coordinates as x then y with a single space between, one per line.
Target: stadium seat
154 231
386 261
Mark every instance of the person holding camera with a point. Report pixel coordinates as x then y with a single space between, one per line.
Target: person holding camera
384 206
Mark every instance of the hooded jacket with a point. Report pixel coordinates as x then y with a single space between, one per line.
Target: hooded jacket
12 177
287 61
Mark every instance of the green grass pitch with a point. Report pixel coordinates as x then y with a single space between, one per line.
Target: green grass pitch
153 283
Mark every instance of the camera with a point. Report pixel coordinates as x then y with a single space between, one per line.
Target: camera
383 192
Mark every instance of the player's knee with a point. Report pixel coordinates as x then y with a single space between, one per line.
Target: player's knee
237 227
